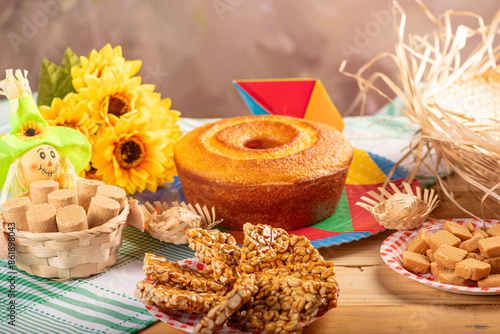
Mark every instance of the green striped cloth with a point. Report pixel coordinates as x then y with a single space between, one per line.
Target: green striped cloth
105 302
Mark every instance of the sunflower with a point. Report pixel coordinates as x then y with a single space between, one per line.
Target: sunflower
137 153
110 97
32 130
72 113
97 61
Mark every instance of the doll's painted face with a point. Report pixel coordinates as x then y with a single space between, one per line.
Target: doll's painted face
42 162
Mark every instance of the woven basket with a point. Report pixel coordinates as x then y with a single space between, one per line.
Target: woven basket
69 255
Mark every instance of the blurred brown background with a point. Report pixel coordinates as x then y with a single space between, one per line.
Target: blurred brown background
193 49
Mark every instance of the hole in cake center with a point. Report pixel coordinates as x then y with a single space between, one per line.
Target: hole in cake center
260 144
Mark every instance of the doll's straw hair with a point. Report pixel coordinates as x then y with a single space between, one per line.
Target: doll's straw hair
15 85
435 67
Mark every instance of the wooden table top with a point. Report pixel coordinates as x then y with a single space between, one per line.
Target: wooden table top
375 299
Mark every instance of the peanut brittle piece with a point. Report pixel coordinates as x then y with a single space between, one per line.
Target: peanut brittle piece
313 271
281 304
242 292
179 276
166 297
218 251
265 247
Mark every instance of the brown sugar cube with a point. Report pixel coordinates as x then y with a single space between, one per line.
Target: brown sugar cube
101 210
448 256
490 247
63 197
443 237
113 192
449 277
39 190
430 254
476 256
472 245
470 227
494 231
14 211
480 231
472 269
491 281
435 269
495 265
458 230
71 218
420 244
41 218
414 262
86 189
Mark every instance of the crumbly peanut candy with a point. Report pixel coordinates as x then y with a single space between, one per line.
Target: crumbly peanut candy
448 256
490 247
492 281
474 256
420 244
449 277
218 251
176 299
470 227
460 231
282 303
265 247
430 254
472 245
178 276
414 262
494 231
443 237
435 270
472 269
495 265
482 232
242 292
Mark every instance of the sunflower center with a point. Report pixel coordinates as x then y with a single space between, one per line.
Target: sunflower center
69 125
130 152
118 105
30 132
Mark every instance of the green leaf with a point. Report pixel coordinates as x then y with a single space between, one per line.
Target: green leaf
69 60
56 81
48 73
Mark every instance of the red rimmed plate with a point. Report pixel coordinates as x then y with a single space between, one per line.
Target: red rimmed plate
185 321
392 253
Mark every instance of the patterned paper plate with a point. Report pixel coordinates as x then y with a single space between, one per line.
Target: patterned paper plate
392 252
349 222
185 321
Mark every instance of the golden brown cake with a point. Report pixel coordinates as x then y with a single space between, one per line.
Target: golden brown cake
277 170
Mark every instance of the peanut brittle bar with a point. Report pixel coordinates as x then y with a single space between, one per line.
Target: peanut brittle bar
218 251
241 293
265 248
178 276
176 299
281 304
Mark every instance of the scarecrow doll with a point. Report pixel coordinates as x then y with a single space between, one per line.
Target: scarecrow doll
33 150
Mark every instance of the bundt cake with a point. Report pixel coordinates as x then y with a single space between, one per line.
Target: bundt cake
282 171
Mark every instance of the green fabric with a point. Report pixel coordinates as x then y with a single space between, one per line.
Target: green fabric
71 143
27 110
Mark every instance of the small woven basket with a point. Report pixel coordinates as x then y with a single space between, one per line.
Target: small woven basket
69 255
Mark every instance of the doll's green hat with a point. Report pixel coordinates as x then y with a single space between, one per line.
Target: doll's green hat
28 129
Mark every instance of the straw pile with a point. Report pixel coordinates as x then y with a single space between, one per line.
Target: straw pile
449 84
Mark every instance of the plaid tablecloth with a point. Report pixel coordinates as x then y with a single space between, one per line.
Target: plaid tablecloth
105 302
